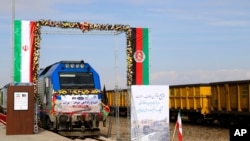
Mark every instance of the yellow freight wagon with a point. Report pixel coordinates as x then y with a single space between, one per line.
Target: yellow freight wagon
192 99
225 102
110 95
230 101
119 101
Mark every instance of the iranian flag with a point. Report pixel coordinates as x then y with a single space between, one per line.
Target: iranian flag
179 126
23 50
140 50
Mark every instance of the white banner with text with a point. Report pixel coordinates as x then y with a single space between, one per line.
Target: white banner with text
150 112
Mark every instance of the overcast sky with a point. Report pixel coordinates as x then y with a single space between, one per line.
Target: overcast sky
191 41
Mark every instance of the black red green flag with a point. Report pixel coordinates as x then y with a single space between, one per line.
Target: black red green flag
140 47
104 103
104 96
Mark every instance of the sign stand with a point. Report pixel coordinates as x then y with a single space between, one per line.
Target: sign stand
20 109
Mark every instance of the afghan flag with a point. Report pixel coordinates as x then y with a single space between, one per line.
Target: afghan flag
23 50
104 103
140 50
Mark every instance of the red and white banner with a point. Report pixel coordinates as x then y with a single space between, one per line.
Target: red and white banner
3 118
179 126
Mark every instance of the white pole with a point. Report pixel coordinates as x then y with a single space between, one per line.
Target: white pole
174 132
116 89
12 42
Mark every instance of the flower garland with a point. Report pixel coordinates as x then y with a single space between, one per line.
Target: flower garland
77 91
84 27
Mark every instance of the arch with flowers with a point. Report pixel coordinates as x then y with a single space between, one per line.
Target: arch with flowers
84 27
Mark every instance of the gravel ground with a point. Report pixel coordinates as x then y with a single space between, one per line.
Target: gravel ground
190 132
120 131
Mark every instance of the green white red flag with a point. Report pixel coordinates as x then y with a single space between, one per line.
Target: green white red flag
23 50
140 50
179 126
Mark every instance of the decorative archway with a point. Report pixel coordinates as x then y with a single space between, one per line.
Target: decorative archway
137 53
84 27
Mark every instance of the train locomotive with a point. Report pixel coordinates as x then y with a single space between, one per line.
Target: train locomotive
3 100
71 97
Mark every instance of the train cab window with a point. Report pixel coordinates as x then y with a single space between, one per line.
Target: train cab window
76 81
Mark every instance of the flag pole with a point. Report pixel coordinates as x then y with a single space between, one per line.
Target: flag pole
12 42
174 132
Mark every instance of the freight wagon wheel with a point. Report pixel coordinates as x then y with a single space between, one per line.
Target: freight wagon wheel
199 120
112 112
233 122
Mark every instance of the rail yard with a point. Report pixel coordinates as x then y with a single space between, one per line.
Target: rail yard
226 102
223 103
190 133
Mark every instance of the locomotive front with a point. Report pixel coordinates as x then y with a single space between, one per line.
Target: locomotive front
71 94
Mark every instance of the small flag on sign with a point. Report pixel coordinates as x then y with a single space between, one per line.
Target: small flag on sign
179 126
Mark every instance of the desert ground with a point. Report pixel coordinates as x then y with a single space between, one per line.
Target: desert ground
118 128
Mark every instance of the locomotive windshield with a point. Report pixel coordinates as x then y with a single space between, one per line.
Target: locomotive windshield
76 80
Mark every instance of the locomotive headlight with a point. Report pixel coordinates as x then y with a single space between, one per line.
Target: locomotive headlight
67 65
77 65
82 66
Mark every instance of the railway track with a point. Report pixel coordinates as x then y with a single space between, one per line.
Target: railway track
191 132
87 138
100 138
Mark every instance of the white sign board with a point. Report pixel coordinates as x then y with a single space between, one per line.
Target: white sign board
77 103
149 112
21 101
